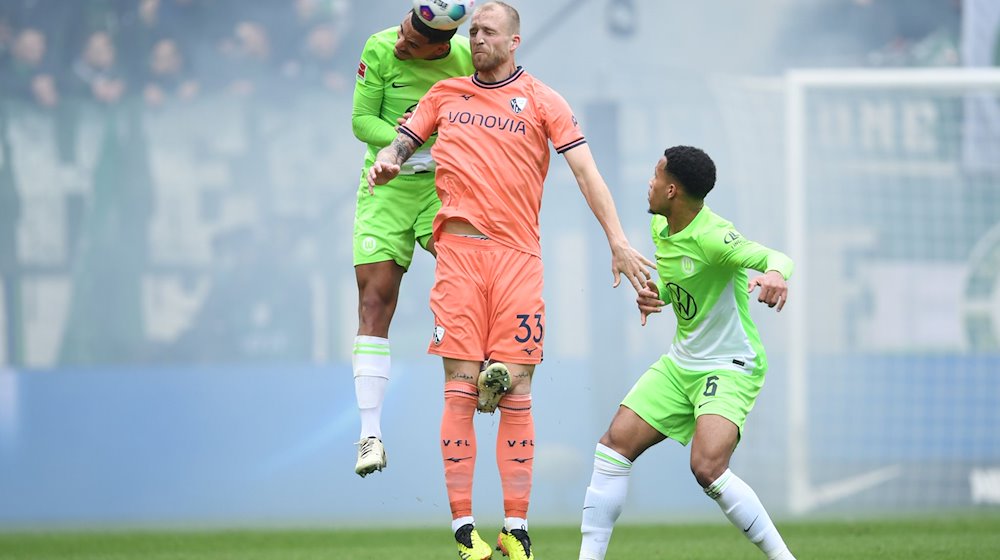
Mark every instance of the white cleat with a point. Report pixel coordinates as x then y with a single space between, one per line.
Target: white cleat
494 382
371 456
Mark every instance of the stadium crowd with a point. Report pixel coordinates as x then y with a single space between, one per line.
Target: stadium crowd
169 50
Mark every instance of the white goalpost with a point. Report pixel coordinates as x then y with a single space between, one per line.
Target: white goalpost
893 202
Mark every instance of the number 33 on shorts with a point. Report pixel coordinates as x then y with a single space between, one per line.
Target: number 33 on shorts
528 332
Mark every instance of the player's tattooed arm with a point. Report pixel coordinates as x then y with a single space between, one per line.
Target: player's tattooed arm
401 149
388 160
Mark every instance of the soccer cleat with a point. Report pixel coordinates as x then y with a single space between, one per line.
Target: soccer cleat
494 382
515 544
470 545
371 456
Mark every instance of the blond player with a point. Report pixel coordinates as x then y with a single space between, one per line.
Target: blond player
492 155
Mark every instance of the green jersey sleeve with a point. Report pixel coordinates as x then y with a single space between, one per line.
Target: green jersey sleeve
366 113
386 88
728 248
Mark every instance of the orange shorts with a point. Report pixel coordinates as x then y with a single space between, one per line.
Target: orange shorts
487 302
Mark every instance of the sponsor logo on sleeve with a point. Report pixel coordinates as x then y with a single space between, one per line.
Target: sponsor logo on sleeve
733 239
362 69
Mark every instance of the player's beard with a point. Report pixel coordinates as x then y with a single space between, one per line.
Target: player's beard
486 62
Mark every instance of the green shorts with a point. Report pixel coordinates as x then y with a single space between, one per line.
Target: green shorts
670 398
400 214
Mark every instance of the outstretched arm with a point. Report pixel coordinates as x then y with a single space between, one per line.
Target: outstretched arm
736 251
624 259
388 160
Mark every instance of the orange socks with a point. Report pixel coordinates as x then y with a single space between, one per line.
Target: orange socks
515 453
515 449
458 444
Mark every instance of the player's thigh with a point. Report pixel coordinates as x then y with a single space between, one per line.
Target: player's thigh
379 279
517 328
458 300
630 435
726 393
384 223
661 402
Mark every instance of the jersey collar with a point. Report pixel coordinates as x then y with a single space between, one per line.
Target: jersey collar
494 85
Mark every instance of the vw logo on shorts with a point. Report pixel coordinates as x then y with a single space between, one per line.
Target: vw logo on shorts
368 244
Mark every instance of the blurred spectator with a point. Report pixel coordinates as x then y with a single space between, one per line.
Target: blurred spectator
839 33
246 58
97 71
167 75
314 62
27 74
163 49
926 34
307 46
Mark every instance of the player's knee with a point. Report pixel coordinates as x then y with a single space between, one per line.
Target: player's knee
376 306
617 441
707 470
606 440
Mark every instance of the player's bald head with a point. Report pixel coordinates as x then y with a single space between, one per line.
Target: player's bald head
512 18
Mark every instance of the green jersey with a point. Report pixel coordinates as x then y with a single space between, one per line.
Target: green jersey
386 87
702 273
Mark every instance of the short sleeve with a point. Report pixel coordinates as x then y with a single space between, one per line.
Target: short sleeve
422 124
560 124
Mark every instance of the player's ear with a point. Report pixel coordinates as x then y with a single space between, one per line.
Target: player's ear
515 42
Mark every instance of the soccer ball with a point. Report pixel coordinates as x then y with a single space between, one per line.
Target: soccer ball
443 14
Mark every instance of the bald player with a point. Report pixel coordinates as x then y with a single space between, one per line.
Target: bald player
494 130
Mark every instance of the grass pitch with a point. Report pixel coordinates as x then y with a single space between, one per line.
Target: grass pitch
953 538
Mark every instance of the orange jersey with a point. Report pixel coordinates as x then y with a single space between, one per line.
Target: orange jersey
492 151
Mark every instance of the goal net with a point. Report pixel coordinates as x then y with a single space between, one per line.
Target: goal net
892 214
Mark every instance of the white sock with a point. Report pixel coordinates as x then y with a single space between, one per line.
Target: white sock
370 360
457 524
604 501
744 510
511 523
